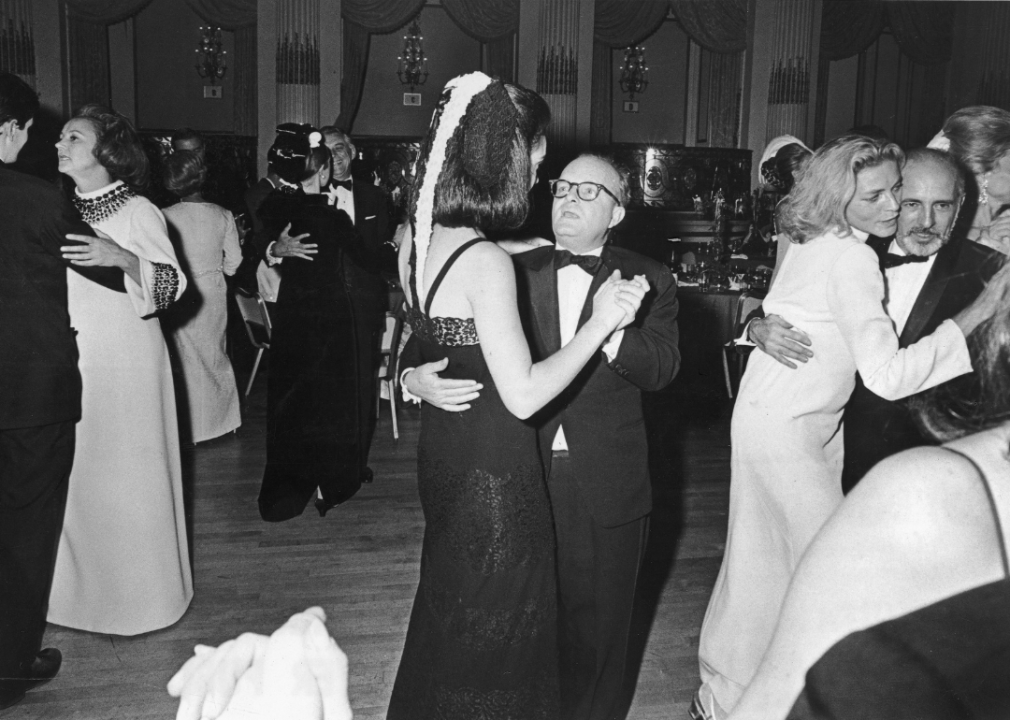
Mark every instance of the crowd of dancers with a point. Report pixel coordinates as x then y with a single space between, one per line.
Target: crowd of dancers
530 359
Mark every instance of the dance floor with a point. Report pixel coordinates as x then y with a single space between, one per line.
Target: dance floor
360 563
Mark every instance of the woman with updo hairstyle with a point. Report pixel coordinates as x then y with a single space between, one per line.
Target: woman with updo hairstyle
979 136
312 388
786 437
482 638
206 238
123 564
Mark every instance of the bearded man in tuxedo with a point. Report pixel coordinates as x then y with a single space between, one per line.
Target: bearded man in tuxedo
929 277
592 436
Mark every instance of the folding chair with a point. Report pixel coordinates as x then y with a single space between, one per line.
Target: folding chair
257 326
387 369
745 305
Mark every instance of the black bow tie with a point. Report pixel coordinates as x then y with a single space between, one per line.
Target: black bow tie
345 184
891 260
589 263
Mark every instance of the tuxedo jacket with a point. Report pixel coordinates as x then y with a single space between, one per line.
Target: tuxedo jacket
876 428
373 255
601 410
39 380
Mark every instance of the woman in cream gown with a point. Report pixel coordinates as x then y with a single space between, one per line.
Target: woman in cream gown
123 565
786 428
206 237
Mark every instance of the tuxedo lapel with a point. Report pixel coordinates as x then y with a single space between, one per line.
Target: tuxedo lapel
544 300
606 268
932 291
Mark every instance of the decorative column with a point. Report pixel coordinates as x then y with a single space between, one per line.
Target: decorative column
789 87
17 42
780 71
555 59
298 61
558 67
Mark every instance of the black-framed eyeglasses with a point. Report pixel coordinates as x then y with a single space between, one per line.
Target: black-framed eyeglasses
587 191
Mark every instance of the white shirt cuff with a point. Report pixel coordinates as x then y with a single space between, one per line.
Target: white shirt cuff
743 339
271 260
407 396
612 345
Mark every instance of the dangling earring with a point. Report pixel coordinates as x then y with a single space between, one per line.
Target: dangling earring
983 193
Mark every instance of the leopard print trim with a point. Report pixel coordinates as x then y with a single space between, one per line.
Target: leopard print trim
96 209
166 285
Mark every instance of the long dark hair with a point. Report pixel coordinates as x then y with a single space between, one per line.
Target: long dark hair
118 148
977 401
484 181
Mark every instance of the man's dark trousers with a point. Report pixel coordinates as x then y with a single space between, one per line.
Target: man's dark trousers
597 571
35 465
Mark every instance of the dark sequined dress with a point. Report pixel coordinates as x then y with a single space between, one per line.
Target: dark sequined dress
482 640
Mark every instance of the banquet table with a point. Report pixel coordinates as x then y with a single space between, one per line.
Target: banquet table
707 321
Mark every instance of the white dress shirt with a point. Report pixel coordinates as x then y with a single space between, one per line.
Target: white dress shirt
573 287
342 199
903 285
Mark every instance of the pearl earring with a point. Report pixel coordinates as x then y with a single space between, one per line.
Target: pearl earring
983 194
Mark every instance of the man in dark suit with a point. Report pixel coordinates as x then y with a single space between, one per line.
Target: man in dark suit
592 436
929 278
40 387
368 208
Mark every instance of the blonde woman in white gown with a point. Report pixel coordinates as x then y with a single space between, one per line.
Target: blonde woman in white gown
123 565
206 236
786 429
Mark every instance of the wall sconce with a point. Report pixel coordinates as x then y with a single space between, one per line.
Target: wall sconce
634 72
412 69
212 63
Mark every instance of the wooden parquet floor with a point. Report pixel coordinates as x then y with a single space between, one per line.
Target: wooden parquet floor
360 563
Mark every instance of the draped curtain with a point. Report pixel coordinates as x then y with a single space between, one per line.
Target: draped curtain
719 27
499 58
228 14
493 23
994 87
240 16
89 52
921 28
361 19
482 20
17 40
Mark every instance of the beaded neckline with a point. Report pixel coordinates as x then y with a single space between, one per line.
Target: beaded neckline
97 208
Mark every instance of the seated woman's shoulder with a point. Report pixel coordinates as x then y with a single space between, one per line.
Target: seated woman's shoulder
931 485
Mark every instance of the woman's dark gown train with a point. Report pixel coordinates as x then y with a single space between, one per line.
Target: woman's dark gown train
482 640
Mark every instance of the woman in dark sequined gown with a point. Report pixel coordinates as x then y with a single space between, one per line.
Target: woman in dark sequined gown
482 636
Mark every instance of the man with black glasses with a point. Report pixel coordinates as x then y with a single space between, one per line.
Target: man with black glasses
592 436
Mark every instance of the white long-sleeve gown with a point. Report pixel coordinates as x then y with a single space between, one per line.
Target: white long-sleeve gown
787 440
123 562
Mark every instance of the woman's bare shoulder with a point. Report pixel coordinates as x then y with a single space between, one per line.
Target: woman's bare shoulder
927 494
